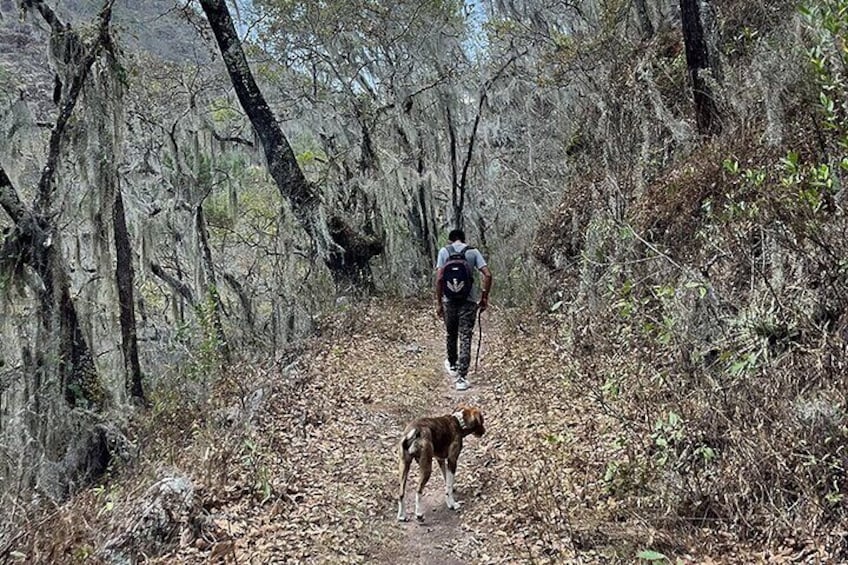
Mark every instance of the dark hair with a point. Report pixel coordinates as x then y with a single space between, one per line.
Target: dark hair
456 235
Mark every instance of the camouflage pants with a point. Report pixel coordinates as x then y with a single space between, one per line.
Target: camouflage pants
459 322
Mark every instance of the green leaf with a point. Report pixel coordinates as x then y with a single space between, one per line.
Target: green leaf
707 453
306 157
673 419
554 439
790 162
650 555
737 367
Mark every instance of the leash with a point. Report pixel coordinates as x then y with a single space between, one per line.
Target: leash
479 340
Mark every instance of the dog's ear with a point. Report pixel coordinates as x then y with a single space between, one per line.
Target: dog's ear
473 418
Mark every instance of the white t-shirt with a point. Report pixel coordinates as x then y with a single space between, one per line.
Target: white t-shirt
474 258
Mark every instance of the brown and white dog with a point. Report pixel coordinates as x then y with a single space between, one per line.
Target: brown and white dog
440 437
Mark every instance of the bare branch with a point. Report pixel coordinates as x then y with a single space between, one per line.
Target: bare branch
461 185
56 25
181 288
232 139
48 174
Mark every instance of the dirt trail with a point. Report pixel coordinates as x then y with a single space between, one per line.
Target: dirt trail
407 350
429 542
327 445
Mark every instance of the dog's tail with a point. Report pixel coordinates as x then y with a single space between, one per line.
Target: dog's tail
409 443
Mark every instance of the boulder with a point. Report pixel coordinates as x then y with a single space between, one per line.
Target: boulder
167 513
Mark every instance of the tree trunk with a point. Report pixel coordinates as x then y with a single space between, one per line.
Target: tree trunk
698 59
345 252
125 276
350 268
367 156
35 240
644 17
210 282
460 182
176 284
34 243
455 197
421 216
244 300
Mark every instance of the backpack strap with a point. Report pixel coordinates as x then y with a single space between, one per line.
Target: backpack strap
449 248
465 254
464 251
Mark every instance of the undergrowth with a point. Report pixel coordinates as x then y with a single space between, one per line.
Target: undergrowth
196 425
707 319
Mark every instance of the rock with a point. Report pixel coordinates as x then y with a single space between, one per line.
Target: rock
412 348
168 513
89 452
244 411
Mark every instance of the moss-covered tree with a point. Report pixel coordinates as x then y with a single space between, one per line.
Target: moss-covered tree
346 251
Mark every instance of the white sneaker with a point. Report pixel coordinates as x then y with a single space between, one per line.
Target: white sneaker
462 383
451 371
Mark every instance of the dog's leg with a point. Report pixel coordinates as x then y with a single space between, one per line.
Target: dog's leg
444 473
450 475
425 467
449 480
405 462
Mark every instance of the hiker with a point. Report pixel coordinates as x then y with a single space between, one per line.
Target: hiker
457 300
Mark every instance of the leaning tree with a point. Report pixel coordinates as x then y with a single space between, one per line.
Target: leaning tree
345 250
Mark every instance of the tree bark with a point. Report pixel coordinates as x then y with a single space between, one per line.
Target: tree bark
463 178
367 157
455 200
345 251
125 276
420 214
698 59
35 240
349 270
210 282
244 299
459 182
180 287
644 17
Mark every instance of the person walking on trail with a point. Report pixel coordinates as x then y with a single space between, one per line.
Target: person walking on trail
458 300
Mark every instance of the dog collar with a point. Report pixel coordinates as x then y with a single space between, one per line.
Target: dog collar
459 418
